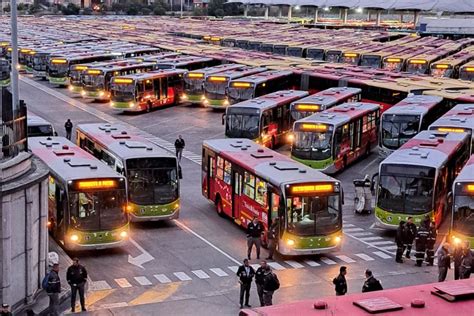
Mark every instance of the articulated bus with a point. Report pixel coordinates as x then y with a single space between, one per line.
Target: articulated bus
406 119
259 84
87 200
462 223
435 299
466 72
322 101
416 179
151 172
244 179
4 73
333 139
58 67
265 119
460 119
96 80
449 66
216 86
194 81
145 91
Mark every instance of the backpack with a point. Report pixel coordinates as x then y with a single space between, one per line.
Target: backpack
45 282
273 282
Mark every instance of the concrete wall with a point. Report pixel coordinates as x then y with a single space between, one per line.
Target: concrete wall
23 229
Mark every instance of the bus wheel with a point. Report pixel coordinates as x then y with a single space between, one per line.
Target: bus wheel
273 142
344 163
219 207
148 106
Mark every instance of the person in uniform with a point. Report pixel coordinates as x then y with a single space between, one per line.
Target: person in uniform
433 233
421 241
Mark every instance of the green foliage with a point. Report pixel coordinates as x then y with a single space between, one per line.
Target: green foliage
87 11
220 8
199 11
34 9
159 10
70 9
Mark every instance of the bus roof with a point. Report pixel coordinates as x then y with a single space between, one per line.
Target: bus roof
270 100
465 55
263 76
237 73
467 172
456 95
339 114
384 301
151 74
413 105
458 119
115 138
215 69
118 66
427 148
329 96
271 166
68 161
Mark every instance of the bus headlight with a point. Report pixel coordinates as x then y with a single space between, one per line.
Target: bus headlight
70 88
128 208
131 105
291 138
226 103
112 104
74 237
101 93
456 240
123 234
337 239
184 97
83 93
290 242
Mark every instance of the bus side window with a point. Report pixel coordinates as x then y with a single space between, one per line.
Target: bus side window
212 167
338 141
261 192
352 135
275 204
249 185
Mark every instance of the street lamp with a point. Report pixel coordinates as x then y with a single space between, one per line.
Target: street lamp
15 65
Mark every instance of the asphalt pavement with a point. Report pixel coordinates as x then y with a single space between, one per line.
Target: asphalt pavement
187 266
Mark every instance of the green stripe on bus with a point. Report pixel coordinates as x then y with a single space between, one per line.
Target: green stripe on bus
76 89
54 80
393 219
99 237
154 210
5 83
312 242
462 237
216 102
316 164
121 105
195 97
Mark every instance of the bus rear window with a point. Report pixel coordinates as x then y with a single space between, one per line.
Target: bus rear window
40 130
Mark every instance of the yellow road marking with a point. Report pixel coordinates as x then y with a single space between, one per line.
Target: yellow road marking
157 294
95 296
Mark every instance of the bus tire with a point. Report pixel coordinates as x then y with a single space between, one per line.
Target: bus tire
344 163
219 206
149 105
273 142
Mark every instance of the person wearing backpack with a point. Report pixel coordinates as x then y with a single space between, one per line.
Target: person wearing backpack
270 285
52 284
371 284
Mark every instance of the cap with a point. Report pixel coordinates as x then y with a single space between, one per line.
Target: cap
4 305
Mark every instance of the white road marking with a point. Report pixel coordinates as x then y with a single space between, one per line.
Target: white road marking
219 272
162 278
353 230
389 248
114 305
294 264
99 285
183 226
369 164
345 259
276 266
365 257
142 280
384 242
255 266
382 255
372 226
362 234
201 274
348 225
327 261
312 263
233 268
371 238
122 282
141 259
182 276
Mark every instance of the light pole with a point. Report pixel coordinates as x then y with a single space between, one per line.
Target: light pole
181 13
15 66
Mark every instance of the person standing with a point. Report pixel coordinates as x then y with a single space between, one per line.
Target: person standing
466 262
68 127
254 235
5 310
340 282
53 289
259 280
457 258
410 234
272 236
371 284
179 146
433 233
444 262
77 277
421 242
400 241
270 285
245 274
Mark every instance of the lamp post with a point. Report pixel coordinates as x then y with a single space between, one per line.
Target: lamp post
15 66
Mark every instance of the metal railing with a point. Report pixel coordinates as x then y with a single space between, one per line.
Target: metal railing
13 128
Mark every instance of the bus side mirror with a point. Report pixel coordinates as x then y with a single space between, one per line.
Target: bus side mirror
450 198
373 182
223 119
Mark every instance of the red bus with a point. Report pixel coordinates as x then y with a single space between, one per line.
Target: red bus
335 138
256 85
265 119
244 179
323 100
436 299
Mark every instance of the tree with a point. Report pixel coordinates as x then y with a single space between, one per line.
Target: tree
87 11
70 9
199 11
214 6
159 10
34 9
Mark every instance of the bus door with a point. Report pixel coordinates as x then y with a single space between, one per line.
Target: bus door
355 129
236 194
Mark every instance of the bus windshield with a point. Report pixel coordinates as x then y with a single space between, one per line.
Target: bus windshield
406 189
312 145
463 217
466 75
398 129
4 70
193 85
58 70
312 216
39 62
240 94
417 68
371 61
123 92
217 88
93 81
152 180
99 210
439 72
242 125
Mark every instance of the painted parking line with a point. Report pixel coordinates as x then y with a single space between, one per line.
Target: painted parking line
182 276
363 256
142 280
122 282
327 261
312 263
382 254
294 264
348 225
219 272
345 259
201 274
276 266
162 278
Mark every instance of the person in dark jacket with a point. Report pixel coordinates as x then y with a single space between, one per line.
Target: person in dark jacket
409 235
68 128
466 262
270 285
430 243
340 282
53 289
259 280
5 310
77 277
254 235
457 258
272 237
245 274
421 241
400 241
371 284
444 262
179 147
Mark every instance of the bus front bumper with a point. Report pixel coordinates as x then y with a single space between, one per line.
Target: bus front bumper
390 221
147 213
292 245
86 240
39 74
125 106
97 95
216 104
59 81
326 166
194 98
79 247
